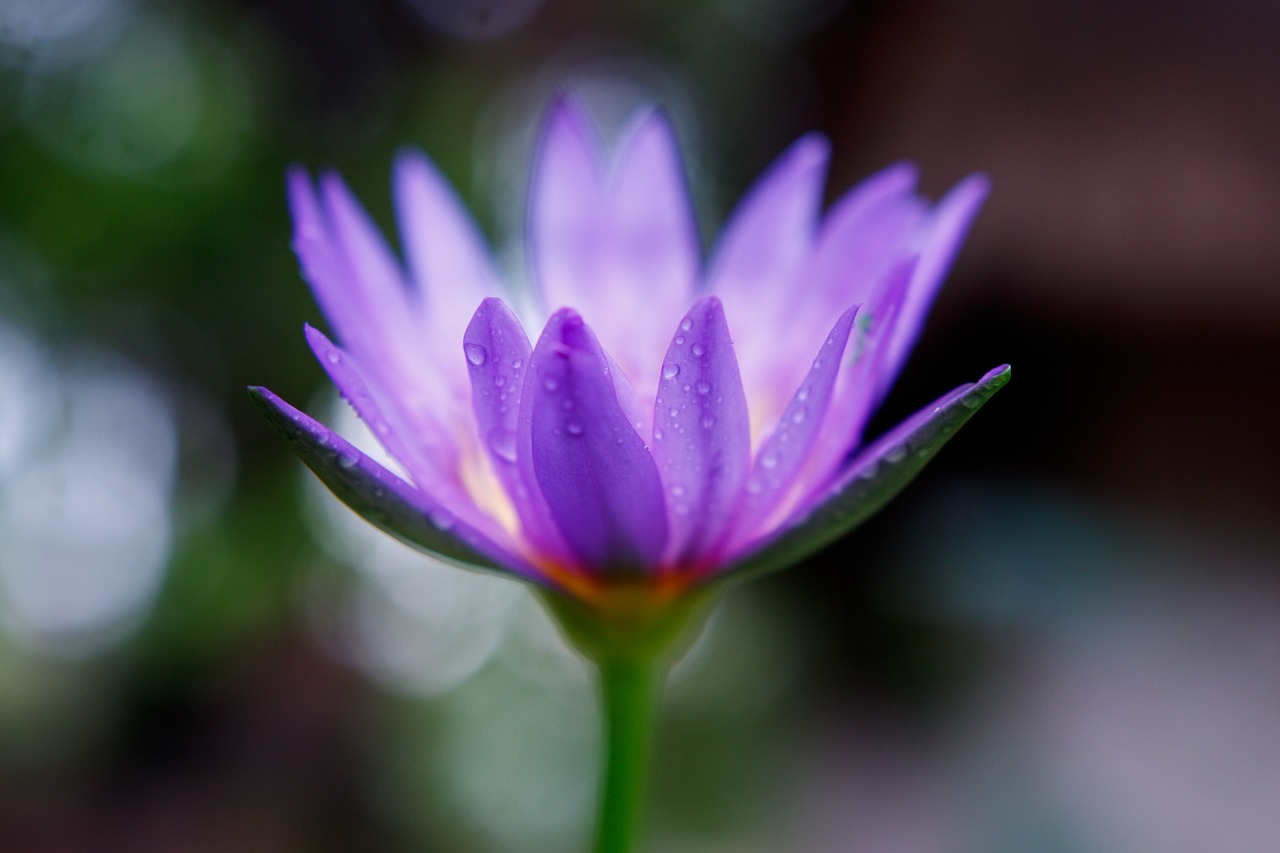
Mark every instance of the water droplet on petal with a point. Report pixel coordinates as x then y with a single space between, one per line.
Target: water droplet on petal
567 404
708 422
550 384
769 460
476 354
971 401
677 490
499 380
698 350
334 357
517 363
502 442
348 458
803 393
573 428
670 370
703 387
440 518
673 411
798 416
658 435
896 455
679 340
686 324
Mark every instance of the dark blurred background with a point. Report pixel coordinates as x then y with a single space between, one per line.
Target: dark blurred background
1065 637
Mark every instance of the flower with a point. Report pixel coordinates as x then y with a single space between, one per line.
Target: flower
636 444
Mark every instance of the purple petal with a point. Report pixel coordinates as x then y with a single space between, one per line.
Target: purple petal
875 476
565 202
655 247
445 251
784 453
426 450
367 263
385 500
771 231
702 432
498 356
947 226
596 474
854 398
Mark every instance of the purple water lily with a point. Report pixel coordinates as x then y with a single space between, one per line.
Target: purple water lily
676 421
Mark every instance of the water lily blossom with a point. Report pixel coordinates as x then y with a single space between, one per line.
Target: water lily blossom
674 422
639 424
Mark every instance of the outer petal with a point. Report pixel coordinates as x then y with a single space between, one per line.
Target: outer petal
430 457
385 500
445 251
702 432
498 356
597 476
874 477
654 251
946 228
783 454
854 398
566 197
771 231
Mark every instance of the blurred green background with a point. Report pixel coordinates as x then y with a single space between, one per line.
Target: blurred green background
1064 638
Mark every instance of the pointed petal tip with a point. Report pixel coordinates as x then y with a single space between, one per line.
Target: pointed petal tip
997 377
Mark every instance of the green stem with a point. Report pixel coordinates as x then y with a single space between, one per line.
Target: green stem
629 690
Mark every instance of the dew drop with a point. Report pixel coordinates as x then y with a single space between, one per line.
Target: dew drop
502 442
896 455
440 518
686 325
803 393
703 387
769 460
698 350
817 362
798 416
679 340
658 435
517 363
333 356
567 404
382 428
673 411
499 380
348 458
869 473
670 370
550 384
971 401
677 491
476 354
708 422
573 428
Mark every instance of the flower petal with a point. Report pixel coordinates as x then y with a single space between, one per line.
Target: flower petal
566 196
599 481
948 223
449 259
654 251
783 454
874 477
854 397
385 500
702 431
771 231
498 356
